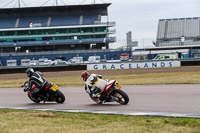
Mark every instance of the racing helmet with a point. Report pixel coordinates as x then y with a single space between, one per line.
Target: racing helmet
29 72
85 75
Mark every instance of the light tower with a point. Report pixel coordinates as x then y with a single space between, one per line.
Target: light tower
19 3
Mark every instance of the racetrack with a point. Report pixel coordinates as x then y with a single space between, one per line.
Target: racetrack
182 99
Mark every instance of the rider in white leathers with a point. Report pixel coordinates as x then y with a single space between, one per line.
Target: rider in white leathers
94 84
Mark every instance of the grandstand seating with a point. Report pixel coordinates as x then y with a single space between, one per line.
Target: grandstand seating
65 31
72 41
65 20
61 20
57 42
6 44
7 22
93 40
31 43
25 21
90 18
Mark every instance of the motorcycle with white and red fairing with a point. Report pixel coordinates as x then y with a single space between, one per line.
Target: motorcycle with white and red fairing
112 93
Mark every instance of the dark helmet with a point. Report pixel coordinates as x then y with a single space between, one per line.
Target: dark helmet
29 72
85 75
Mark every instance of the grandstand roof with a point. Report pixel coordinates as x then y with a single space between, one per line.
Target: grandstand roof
101 9
172 47
175 19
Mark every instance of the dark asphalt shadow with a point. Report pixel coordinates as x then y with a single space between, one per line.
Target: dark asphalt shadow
39 104
103 105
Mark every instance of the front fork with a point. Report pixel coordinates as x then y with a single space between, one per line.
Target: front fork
110 94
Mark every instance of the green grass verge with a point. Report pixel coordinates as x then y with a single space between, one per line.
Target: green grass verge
124 79
18 121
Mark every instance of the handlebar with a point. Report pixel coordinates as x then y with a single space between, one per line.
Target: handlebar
22 86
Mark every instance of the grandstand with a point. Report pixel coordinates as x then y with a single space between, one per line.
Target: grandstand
178 35
46 31
178 32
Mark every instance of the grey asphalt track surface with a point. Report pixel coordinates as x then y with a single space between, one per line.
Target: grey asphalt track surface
143 98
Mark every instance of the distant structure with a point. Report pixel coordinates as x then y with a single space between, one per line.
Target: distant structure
76 27
130 43
50 32
129 38
178 32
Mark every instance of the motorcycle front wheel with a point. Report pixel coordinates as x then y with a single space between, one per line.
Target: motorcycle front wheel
34 99
121 96
96 100
60 98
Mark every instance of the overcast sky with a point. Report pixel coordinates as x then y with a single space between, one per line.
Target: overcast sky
139 16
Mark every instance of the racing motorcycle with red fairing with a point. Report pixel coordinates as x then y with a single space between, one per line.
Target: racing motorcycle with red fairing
112 93
50 93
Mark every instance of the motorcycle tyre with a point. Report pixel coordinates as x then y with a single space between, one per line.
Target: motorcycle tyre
95 100
35 101
123 94
60 95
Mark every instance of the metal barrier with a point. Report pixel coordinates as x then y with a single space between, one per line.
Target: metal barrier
74 67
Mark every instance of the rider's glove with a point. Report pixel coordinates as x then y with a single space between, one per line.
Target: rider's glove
25 90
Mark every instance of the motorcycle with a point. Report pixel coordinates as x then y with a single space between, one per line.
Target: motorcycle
51 93
112 93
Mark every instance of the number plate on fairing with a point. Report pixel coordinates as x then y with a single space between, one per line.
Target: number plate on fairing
54 87
118 86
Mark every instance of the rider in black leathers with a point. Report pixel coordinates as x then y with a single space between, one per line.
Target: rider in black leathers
37 79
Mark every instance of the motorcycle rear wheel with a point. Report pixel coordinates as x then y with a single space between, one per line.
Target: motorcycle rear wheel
121 96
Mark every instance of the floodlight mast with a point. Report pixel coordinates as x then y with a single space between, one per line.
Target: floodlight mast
19 3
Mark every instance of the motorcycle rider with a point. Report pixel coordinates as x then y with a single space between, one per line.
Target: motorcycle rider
37 79
94 84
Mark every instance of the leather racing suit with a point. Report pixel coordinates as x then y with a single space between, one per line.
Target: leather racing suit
94 85
38 80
